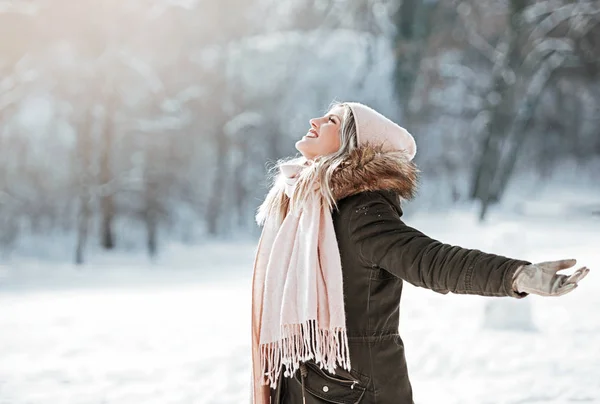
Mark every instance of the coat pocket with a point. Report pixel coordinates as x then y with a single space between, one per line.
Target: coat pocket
323 387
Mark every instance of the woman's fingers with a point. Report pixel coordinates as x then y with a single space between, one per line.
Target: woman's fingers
578 275
563 290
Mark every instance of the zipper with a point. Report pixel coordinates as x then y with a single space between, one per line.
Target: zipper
303 374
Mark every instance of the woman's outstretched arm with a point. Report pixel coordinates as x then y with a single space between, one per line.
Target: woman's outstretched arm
383 240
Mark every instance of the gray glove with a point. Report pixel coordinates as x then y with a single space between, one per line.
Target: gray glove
542 279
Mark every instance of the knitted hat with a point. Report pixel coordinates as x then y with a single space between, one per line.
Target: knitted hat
373 127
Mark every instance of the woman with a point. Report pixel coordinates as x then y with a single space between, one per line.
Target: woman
332 259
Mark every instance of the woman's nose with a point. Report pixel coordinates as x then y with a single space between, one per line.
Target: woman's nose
313 123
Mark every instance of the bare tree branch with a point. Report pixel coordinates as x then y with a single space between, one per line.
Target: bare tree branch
557 16
545 46
476 40
533 12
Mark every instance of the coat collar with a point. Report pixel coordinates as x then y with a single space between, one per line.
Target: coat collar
369 168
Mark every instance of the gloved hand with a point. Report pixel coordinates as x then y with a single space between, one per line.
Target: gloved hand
542 279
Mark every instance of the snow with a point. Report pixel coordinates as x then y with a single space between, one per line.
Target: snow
124 330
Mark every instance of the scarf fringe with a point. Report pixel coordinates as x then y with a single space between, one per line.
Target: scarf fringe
301 342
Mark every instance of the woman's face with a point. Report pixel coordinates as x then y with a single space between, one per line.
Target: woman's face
324 135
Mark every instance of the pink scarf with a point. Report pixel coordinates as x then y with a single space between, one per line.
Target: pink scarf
297 295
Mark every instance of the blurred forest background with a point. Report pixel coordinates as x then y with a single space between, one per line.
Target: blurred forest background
127 123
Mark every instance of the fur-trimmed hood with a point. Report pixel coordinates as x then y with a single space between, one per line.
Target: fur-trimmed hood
368 168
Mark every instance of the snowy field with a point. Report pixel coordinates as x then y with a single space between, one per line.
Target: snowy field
124 331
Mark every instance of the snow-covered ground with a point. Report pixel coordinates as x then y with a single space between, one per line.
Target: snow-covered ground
120 332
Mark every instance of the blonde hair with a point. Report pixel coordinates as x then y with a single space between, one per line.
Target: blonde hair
319 172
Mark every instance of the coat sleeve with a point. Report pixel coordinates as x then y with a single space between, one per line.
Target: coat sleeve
383 240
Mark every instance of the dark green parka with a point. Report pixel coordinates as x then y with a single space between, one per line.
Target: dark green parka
379 252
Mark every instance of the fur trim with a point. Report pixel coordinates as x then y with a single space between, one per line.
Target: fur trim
369 168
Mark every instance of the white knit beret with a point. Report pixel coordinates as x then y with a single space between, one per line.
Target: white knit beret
373 127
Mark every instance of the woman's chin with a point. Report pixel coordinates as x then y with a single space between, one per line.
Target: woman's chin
301 146
307 148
